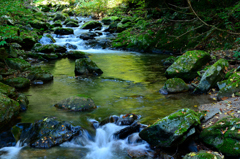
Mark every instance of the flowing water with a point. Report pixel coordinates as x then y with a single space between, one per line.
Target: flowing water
129 84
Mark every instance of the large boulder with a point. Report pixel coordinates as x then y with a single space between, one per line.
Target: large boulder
17 63
7 90
76 54
171 130
50 48
109 20
18 82
175 85
213 75
36 73
8 109
59 16
63 31
86 66
76 103
224 136
91 25
187 65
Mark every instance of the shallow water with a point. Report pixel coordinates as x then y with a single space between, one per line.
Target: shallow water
130 84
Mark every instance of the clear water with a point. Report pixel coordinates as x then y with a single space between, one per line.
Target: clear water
129 84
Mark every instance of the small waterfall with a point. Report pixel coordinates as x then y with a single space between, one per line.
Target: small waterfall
11 152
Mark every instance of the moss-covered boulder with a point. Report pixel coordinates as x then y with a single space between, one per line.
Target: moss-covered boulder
63 31
17 63
169 61
57 23
69 11
224 136
213 75
86 66
36 73
76 54
59 16
51 56
8 109
76 103
18 82
112 27
91 25
171 130
7 90
39 24
50 48
109 20
72 24
187 65
175 85
23 101
70 20
203 155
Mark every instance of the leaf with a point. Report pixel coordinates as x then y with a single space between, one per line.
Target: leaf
224 98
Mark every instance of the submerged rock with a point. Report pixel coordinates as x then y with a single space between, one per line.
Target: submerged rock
23 101
203 155
224 136
70 46
17 63
76 103
36 73
175 85
91 25
213 75
171 130
86 66
18 82
63 31
187 65
76 54
8 109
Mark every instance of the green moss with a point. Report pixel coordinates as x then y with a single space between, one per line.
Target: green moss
91 24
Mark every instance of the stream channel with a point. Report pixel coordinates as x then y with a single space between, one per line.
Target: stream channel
130 84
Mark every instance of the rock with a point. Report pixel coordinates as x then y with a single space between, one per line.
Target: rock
57 23
76 103
44 8
50 132
70 20
111 119
12 52
125 20
109 20
46 39
171 130
7 19
203 155
127 119
91 25
70 46
17 63
8 109
7 90
163 91
16 46
175 85
59 16
224 136
72 24
7 139
68 11
37 82
112 27
125 132
50 48
51 56
213 75
76 54
63 31
99 43
86 66
23 101
169 61
36 73
121 27
39 24
87 36
20 132
18 82
28 41
187 65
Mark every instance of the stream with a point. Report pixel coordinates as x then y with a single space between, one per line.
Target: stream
130 84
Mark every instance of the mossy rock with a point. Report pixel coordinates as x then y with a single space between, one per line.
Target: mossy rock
213 75
76 103
63 31
187 65
171 130
169 61
59 16
125 20
109 20
175 85
72 24
50 48
7 90
69 11
18 82
44 8
51 56
86 66
91 25
121 27
57 23
17 63
39 24
36 73
23 101
227 142
229 90
8 109
76 54
70 20
203 155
